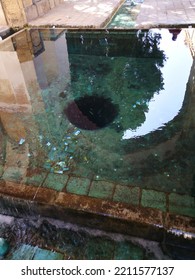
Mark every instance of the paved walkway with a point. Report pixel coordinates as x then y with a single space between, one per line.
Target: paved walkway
95 13
79 13
166 12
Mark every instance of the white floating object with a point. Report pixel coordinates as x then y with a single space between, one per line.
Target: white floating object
22 140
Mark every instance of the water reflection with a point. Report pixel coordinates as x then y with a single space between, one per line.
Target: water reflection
43 71
166 104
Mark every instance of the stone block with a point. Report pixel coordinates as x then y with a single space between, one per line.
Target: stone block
24 252
101 189
57 2
42 254
27 3
78 185
4 247
28 252
126 194
36 180
182 204
128 251
55 181
43 7
52 4
99 249
13 174
153 199
31 12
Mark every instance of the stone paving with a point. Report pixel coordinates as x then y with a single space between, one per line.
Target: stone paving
79 13
166 12
86 13
45 239
97 13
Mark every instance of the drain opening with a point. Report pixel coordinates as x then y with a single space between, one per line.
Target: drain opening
91 112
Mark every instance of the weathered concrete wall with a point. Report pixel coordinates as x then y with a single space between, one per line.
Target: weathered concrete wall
14 13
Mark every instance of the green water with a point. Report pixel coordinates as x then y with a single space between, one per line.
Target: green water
150 141
126 15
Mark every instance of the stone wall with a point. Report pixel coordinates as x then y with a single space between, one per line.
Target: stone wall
14 12
36 8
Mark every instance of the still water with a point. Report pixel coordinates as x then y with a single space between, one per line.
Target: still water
110 105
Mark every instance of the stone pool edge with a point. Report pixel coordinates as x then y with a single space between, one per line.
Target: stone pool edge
119 217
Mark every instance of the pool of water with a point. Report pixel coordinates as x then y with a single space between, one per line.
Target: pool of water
106 105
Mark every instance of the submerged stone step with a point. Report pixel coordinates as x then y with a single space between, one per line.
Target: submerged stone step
4 247
28 252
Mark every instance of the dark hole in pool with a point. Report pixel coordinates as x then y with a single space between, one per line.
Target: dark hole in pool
91 112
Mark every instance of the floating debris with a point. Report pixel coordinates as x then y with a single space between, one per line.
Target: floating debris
77 132
58 171
22 140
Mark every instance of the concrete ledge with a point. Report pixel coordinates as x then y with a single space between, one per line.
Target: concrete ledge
24 201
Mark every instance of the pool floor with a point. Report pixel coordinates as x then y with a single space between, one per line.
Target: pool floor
100 122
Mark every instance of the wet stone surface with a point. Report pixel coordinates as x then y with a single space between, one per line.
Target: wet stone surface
154 199
49 239
55 181
127 194
44 239
78 185
4 247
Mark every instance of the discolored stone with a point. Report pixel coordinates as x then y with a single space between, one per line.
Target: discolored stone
101 189
128 251
99 249
35 180
153 199
126 194
78 186
182 204
55 181
4 247
42 254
